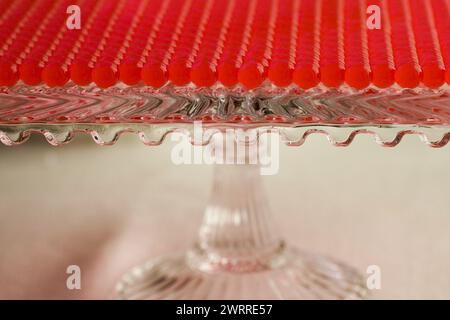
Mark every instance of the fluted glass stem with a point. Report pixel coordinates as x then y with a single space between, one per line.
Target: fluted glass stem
237 234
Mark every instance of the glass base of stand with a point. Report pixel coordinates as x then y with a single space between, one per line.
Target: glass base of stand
239 254
290 274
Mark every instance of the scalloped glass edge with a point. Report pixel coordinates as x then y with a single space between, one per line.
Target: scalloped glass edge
154 135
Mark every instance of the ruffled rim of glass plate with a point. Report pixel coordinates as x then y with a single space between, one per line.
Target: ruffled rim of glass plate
155 135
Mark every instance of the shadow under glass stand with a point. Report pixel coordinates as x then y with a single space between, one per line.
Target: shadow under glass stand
238 253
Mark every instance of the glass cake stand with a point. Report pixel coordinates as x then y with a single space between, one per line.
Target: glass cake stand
238 254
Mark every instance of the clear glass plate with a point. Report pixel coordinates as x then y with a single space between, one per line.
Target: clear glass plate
342 114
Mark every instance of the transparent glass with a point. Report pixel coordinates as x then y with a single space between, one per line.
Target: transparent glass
342 114
239 254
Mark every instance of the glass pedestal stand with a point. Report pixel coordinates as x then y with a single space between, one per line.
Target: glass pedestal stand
238 255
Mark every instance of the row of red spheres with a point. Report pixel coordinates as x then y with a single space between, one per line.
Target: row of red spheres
250 75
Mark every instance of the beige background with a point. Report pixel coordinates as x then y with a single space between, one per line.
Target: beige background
109 208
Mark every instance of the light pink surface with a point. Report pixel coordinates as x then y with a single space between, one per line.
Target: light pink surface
109 208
